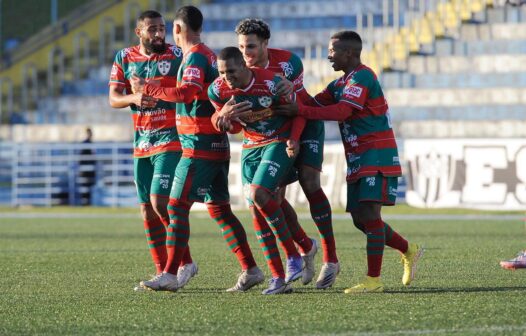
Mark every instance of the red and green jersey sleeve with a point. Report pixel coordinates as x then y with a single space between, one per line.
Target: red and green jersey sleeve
154 128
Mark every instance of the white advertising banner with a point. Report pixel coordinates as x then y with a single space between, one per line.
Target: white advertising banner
466 173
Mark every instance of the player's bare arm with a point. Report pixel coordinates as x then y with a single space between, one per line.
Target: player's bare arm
118 99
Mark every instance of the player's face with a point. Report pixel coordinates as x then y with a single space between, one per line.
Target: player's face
152 33
254 50
338 55
235 75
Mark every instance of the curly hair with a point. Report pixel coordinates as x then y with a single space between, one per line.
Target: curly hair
257 27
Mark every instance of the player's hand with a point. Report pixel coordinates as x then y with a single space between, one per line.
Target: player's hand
288 110
224 124
234 111
137 84
293 148
142 100
284 88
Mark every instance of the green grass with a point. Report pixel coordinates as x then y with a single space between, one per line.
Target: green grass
76 276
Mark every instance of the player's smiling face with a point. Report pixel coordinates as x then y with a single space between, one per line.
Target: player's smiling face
152 33
254 50
234 74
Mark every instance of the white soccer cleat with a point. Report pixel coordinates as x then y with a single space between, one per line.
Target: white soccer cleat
277 286
185 273
164 281
328 274
308 264
248 279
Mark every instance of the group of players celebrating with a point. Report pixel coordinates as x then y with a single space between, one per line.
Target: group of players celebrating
185 100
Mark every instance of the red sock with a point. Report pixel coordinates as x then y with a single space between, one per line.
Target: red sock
375 246
298 235
156 237
233 233
276 220
321 213
394 240
267 241
178 234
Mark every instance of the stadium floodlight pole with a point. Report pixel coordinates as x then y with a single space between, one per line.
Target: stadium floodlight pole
396 14
370 28
385 13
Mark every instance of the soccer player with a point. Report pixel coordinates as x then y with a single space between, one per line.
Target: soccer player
253 37
202 173
156 144
515 263
356 100
268 148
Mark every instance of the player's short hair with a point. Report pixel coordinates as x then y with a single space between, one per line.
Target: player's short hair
191 16
149 14
257 27
229 53
349 36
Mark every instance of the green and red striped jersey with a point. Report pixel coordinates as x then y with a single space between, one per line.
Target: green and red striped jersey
367 135
261 129
199 138
154 128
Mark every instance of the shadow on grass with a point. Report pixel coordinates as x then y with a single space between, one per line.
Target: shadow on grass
436 290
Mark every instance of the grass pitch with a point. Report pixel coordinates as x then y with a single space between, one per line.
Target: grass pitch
72 271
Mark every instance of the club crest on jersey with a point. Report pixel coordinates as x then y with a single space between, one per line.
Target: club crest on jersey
265 101
354 91
191 73
164 67
178 52
287 68
271 86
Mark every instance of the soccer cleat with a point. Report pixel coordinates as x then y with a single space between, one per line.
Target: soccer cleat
308 264
410 259
185 273
277 286
328 274
248 279
294 269
369 285
515 263
164 281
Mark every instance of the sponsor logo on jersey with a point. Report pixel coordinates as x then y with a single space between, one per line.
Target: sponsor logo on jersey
114 70
298 82
354 91
265 101
191 73
145 146
214 62
287 68
271 86
125 52
215 88
178 52
164 67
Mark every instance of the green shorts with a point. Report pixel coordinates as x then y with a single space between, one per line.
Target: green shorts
265 166
377 188
203 181
153 175
311 145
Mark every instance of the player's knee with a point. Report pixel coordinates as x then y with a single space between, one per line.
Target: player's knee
147 212
309 180
159 205
260 196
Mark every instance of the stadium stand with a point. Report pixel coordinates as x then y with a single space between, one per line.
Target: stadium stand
449 68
